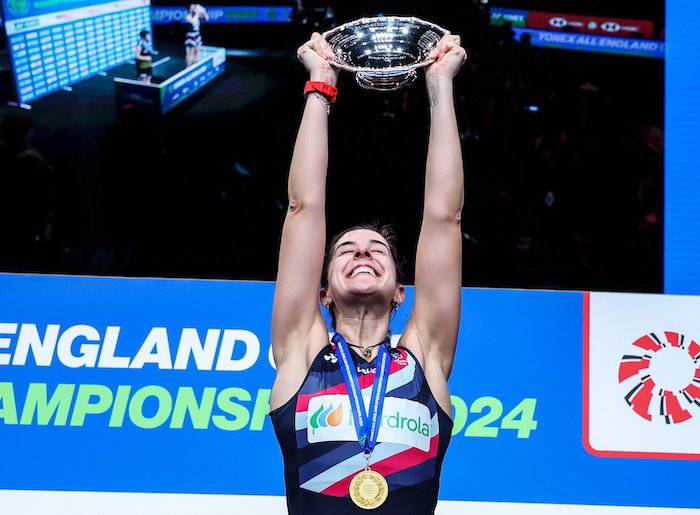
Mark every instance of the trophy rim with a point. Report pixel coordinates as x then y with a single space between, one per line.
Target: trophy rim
389 69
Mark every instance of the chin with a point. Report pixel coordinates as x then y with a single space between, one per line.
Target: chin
368 291
363 290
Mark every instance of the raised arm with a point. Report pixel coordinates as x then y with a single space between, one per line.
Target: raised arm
437 306
295 308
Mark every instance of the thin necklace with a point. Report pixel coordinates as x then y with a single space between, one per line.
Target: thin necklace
367 351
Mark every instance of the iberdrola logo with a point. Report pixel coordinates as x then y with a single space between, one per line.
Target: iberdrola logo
327 416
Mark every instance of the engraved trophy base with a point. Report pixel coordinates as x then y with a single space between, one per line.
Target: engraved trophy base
387 81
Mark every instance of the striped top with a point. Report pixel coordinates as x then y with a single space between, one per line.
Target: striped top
319 443
194 25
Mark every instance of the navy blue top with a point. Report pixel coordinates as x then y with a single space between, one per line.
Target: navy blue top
319 443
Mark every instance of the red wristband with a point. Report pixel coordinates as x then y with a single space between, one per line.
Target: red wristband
327 90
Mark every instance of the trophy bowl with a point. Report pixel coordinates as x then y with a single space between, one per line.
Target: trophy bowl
384 52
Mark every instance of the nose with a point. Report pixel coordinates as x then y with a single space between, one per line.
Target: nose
362 252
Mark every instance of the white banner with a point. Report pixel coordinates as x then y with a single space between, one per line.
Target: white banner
20 502
642 387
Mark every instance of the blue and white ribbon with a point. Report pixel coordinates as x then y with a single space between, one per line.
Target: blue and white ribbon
367 423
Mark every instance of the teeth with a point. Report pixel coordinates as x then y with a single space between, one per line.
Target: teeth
362 269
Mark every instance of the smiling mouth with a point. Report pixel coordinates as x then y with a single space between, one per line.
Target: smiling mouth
363 269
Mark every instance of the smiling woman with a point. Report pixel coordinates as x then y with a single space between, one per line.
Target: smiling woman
383 244
341 453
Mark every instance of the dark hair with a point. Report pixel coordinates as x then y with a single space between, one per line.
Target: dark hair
385 230
143 33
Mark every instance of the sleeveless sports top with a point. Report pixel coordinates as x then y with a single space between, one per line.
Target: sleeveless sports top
319 443
145 48
193 26
193 38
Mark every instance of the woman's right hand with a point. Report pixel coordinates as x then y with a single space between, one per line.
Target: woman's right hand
315 54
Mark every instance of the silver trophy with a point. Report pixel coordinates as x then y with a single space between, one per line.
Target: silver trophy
385 52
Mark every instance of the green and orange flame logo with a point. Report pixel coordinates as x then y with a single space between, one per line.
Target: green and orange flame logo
327 416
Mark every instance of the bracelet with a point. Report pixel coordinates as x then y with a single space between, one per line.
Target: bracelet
329 91
326 103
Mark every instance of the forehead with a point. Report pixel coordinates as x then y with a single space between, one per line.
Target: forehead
361 236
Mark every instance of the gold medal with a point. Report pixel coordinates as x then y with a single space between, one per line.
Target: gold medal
369 489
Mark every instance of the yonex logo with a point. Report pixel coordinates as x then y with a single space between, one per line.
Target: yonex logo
327 416
664 377
558 22
610 26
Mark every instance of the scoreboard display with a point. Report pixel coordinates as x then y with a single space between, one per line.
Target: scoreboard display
55 43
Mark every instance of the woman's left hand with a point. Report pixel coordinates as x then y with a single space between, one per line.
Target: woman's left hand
449 57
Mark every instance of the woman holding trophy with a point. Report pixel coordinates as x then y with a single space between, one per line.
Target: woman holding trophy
362 425
193 39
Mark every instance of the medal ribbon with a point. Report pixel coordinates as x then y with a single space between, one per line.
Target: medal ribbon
366 423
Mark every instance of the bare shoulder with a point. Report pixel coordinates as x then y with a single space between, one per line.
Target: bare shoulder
429 362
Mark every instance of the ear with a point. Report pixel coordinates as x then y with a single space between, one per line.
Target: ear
325 297
399 295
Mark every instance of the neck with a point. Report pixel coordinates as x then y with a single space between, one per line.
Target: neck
363 329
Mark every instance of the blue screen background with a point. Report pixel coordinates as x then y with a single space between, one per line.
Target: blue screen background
14 9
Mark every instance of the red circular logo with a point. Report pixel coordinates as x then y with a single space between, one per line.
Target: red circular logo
664 377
